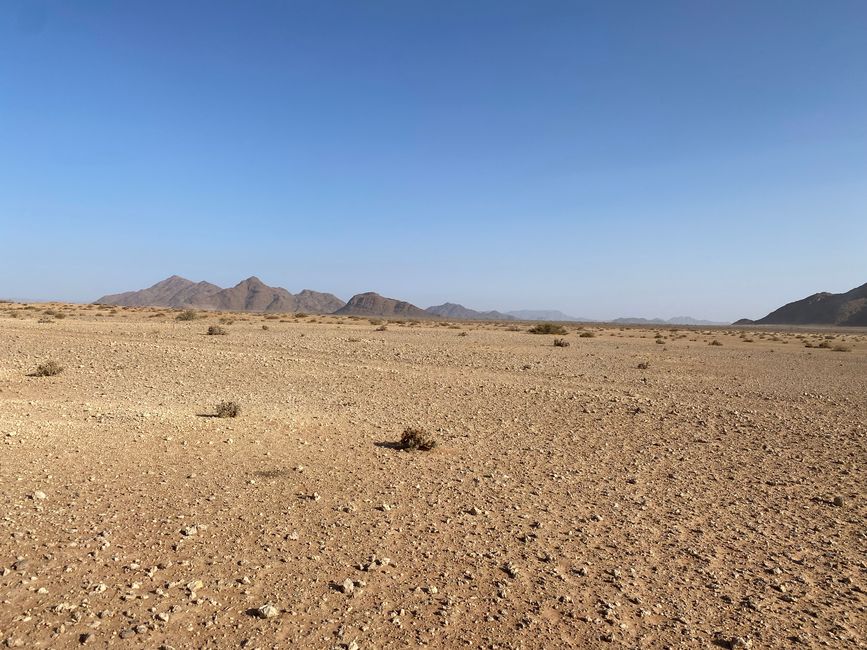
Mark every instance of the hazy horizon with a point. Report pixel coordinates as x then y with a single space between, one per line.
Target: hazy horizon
601 318
605 160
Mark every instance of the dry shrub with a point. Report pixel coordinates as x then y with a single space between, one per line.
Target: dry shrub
841 348
228 410
216 330
561 343
714 342
187 314
419 439
547 328
586 335
644 365
48 369
381 328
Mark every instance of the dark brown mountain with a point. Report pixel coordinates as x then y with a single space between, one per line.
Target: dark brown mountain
848 308
171 292
372 304
250 295
459 312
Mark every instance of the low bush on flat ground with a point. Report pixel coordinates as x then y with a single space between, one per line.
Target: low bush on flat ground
48 369
216 330
419 439
228 410
547 328
187 314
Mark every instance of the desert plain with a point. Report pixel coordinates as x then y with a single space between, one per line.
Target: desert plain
713 497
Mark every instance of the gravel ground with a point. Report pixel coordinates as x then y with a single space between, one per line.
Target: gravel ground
715 498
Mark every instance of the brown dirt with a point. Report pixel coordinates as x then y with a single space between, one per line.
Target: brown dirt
574 500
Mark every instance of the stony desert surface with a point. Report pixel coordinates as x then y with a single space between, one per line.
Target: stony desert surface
714 498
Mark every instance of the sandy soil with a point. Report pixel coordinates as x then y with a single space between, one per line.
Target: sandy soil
574 500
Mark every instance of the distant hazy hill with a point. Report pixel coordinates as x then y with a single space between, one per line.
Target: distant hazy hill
459 312
545 314
848 308
250 295
677 320
372 304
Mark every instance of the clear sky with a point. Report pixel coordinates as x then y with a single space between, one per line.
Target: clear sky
605 158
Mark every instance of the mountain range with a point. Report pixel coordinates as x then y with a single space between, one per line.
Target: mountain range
849 308
249 295
677 320
459 312
546 314
252 294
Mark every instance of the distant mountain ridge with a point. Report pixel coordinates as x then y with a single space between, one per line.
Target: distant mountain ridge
459 312
677 320
545 314
249 295
847 309
372 304
254 295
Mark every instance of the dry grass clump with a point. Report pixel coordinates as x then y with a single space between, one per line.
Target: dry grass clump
463 333
841 348
228 410
381 328
416 439
714 342
216 330
644 365
587 335
561 343
547 328
48 369
187 314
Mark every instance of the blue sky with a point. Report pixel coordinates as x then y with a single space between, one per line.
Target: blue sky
605 158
